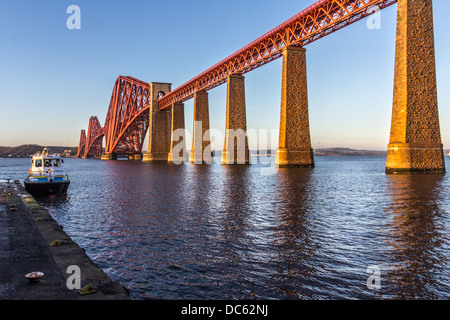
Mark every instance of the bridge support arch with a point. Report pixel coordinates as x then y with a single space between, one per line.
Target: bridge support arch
294 146
415 142
159 126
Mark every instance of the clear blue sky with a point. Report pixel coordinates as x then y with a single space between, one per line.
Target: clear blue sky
53 79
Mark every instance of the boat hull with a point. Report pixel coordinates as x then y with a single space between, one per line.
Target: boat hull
42 189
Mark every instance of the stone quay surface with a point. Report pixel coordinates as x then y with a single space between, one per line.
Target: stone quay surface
31 240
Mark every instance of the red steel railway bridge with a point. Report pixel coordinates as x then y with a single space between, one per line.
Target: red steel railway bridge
138 107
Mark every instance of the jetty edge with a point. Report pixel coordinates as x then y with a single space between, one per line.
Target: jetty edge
30 241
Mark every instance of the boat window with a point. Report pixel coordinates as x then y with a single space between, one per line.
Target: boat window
38 163
47 163
56 162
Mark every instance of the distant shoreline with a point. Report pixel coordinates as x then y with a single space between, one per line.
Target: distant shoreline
348 152
332 152
25 151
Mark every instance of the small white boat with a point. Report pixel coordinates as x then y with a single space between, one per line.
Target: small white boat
46 176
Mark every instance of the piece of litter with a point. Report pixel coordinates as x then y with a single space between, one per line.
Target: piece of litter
34 276
87 289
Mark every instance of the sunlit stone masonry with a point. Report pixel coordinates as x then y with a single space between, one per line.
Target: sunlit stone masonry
235 149
160 125
294 146
201 148
415 143
177 153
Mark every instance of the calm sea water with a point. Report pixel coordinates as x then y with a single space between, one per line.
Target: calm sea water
253 232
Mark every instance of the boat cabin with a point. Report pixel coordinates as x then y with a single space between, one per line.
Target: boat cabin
47 166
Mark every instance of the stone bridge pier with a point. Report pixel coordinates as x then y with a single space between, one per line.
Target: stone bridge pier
294 145
201 148
177 150
235 150
160 125
415 142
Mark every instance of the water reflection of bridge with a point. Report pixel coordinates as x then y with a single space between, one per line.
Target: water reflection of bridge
415 266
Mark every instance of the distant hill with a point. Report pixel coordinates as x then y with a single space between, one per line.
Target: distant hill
348 152
26 150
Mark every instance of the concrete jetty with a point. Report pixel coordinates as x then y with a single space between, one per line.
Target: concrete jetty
31 240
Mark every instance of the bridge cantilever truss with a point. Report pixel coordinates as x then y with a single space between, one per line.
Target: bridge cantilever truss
94 138
127 120
81 144
128 116
315 22
126 123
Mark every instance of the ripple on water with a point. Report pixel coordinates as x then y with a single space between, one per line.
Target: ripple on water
238 232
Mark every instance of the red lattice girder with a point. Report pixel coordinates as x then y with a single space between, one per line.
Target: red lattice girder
127 120
94 138
81 144
315 22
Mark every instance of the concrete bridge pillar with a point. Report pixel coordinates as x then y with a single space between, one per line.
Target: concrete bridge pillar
415 142
160 125
236 143
294 146
178 153
201 148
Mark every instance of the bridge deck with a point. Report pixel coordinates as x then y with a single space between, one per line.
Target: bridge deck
317 21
